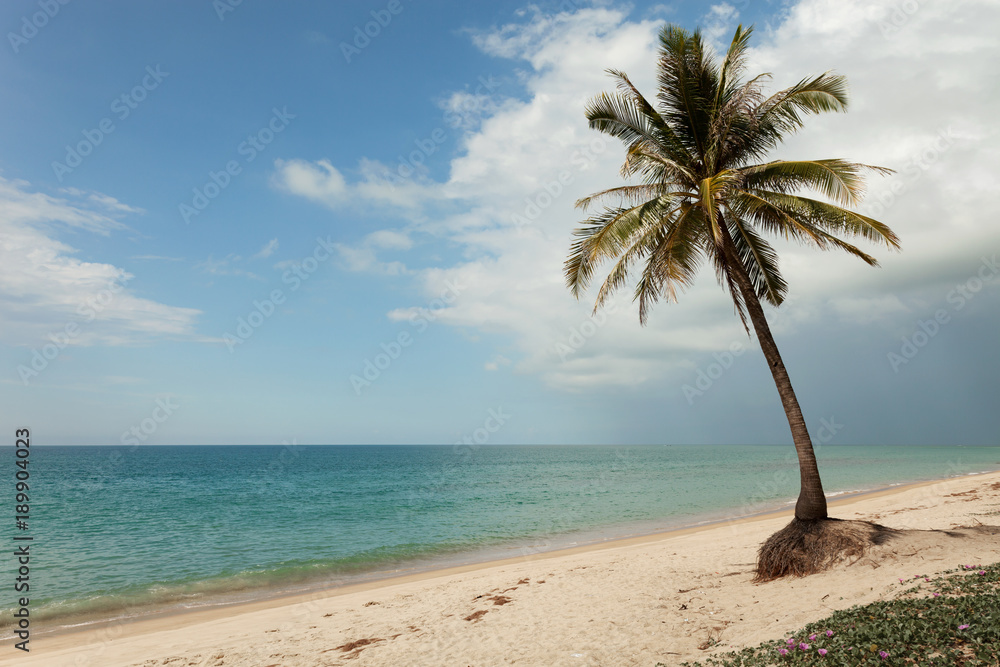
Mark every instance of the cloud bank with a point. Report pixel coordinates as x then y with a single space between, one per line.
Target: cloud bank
920 103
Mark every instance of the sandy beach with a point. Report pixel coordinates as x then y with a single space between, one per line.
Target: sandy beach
671 597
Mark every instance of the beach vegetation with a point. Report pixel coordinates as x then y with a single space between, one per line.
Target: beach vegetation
952 619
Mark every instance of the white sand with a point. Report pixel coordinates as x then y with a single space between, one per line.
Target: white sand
633 602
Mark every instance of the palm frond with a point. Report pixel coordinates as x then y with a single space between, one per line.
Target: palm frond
781 114
832 218
839 180
732 66
760 261
735 127
725 270
667 141
673 264
606 235
769 216
655 167
709 192
619 274
687 83
616 116
632 194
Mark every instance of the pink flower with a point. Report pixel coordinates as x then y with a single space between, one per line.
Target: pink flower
937 595
963 627
829 633
822 651
790 642
883 655
803 646
783 651
900 580
812 637
982 572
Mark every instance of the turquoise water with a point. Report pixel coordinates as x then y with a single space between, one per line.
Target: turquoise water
121 531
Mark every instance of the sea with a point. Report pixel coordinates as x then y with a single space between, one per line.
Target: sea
123 532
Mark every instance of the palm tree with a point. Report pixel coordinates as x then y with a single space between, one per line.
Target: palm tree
702 193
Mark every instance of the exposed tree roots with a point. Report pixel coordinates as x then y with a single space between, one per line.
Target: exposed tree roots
806 547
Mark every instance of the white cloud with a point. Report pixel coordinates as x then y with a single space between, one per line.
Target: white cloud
19 208
230 264
497 361
391 239
227 266
158 258
43 288
402 186
532 158
918 105
267 250
319 181
362 257
720 23
316 37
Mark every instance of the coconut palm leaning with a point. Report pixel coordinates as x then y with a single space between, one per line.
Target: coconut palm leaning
700 192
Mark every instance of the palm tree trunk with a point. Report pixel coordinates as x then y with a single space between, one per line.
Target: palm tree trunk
811 505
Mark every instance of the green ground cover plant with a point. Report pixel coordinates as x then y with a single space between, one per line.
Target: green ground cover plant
952 618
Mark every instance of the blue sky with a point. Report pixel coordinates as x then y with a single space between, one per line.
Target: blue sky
258 224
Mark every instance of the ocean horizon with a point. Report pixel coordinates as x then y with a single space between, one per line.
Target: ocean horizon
121 532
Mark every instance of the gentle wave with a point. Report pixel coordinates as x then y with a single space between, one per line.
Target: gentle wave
235 587
127 533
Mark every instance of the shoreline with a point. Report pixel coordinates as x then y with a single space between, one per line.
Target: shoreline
238 568
116 629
